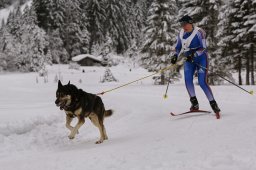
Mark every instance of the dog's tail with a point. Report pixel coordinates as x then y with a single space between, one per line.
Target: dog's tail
108 113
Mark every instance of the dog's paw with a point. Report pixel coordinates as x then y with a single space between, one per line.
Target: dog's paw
99 141
71 136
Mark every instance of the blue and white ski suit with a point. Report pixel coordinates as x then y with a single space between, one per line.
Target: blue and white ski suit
195 40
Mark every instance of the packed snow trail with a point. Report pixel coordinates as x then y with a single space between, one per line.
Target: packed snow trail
142 134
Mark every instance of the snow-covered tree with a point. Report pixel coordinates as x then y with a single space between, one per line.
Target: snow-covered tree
3 63
33 55
224 58
50 13
95 11
160 34
69 19
237 37
14 22
24 43
42 8
117 25
74 33
137 15
9 46
9 49
4 3
108 76
247 33
56 47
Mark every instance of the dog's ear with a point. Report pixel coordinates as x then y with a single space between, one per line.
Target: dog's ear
59 84
68 82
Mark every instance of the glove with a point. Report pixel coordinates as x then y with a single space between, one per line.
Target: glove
190 58
174 59
190 55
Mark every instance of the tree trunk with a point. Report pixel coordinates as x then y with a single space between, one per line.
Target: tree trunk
90 45
239 71
92 31
252 65
92 40
247 69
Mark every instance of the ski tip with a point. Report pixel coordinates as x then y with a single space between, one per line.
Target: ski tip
191 111
172 114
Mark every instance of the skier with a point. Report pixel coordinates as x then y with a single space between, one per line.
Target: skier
191 43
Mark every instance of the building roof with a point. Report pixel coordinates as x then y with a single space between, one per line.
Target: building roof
83 56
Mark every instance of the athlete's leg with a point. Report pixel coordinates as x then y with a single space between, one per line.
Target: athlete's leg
203 82
203 77
189 71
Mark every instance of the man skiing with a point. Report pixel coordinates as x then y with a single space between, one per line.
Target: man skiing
192 44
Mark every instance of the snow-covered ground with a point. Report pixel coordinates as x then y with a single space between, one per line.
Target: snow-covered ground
142 134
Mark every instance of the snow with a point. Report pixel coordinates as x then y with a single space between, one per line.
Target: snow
253 29
142 134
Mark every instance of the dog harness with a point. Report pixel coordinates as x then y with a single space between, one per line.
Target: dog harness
73 107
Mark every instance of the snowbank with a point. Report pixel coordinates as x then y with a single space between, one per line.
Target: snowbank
142 134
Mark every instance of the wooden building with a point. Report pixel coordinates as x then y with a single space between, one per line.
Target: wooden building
87 60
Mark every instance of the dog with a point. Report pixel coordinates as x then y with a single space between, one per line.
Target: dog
78 103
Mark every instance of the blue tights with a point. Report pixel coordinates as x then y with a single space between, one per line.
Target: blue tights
189 71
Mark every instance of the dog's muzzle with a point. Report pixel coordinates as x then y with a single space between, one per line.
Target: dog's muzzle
60 104
57 102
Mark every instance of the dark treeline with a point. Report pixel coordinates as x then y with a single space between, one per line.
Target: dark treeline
53 31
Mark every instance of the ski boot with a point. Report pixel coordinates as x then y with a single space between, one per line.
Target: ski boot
215 108
194 104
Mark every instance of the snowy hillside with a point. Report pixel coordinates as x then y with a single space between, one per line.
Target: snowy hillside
142 134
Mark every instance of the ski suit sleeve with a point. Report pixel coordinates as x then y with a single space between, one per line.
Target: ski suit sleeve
202 42
178 46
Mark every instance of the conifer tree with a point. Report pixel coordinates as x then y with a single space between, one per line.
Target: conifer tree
116 24
96 15
160 34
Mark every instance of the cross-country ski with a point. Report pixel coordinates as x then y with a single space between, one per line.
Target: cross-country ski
188 112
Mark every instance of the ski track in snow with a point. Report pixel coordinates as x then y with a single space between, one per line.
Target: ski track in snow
142 134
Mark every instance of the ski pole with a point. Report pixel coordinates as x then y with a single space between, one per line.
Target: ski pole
250 92
165 95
